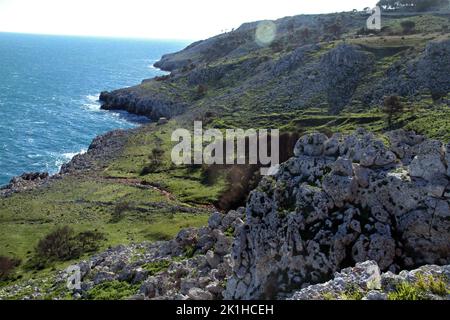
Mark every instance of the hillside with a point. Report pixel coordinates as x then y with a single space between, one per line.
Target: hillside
321 73
317 72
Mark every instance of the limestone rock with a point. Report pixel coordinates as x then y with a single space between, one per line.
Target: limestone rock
324 211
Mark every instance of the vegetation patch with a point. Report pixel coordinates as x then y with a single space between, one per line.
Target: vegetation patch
421 288
156 267
112 290
64 244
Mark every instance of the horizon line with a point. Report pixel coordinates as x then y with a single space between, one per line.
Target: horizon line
97 36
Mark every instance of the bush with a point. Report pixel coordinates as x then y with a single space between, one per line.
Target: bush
58 245
202 89
156 158
63 245
119 210
89 241
408 26
421 288
7 266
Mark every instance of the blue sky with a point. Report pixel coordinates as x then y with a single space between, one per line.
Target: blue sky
166 19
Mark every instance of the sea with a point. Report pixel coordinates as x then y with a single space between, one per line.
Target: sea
49 88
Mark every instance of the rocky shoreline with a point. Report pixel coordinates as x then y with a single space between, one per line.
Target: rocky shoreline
103 149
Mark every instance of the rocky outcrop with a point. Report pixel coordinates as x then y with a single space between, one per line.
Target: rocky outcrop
366 282
410 77
26 181
343 68
154 106
339 201
103 149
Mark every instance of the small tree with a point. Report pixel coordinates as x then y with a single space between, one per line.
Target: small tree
408 26
392 107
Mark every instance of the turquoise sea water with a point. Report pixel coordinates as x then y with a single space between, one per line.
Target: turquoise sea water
49 86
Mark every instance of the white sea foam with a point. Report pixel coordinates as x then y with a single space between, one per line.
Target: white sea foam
93 98
93 104
66 157
70 155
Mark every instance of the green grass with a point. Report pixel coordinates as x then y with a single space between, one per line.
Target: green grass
424 23
419 289
112 290
153 201
352 293
88 204
156 267
184 184
433 122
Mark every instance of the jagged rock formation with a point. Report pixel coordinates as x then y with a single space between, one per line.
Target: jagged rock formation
339 201
366 282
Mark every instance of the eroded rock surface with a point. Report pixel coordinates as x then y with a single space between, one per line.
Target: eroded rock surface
339 201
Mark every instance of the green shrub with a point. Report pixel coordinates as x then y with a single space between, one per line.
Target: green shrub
418 290
406 291
408 26
112 290
352 293
7 266
119 211
156 267
189 251
63 245
89 241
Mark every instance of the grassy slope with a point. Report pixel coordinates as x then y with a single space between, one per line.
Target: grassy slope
87 202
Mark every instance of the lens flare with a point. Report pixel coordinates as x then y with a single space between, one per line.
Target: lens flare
265 33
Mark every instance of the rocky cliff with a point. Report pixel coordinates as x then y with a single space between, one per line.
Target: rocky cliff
339 201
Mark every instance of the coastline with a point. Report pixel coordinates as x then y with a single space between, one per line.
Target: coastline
194 232
25 180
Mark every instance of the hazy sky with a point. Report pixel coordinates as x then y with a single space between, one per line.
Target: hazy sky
169 19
